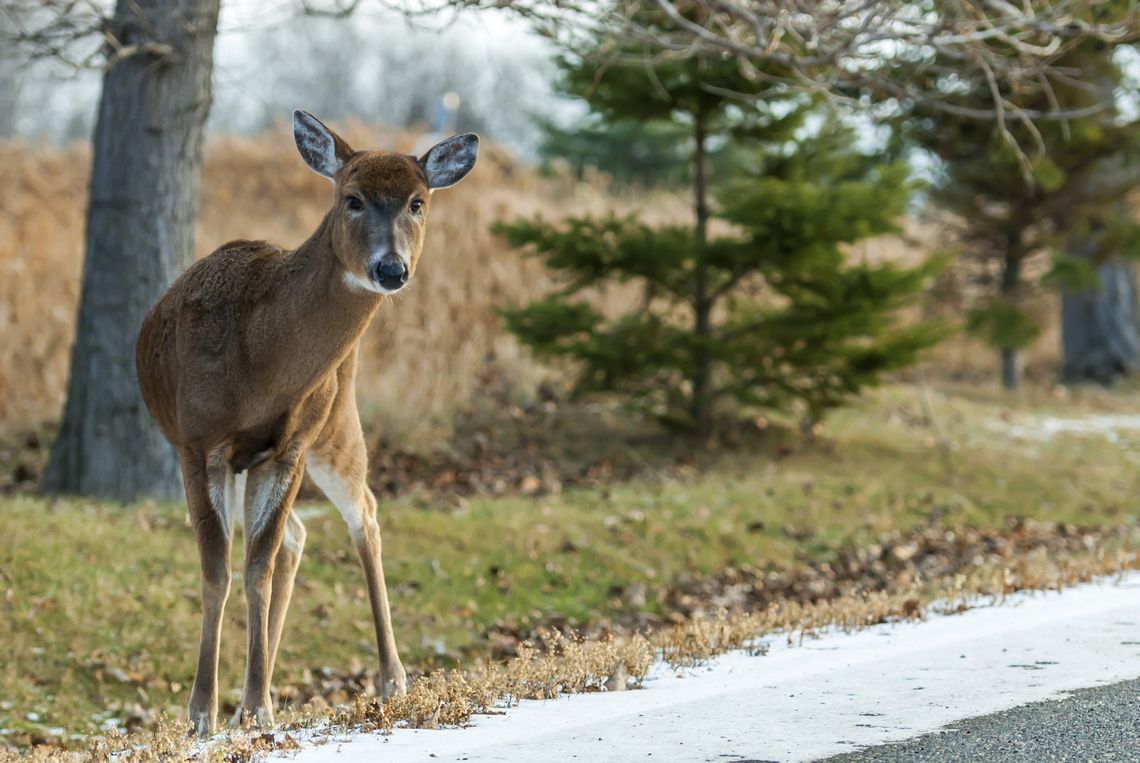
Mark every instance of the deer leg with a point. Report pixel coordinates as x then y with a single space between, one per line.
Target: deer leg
393 679
211 517
270 490
284 573
341 476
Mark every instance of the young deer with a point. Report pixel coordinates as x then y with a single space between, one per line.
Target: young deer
248 363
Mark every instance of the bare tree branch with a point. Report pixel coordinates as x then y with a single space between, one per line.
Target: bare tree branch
845 47
64 30
924 53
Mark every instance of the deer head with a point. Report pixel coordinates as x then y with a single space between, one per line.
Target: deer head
381 200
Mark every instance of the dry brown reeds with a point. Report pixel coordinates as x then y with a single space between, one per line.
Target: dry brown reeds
429 352
42 198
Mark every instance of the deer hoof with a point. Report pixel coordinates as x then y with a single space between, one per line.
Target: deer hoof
202 722
247 717
395 682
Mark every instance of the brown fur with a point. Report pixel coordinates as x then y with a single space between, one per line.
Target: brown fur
248 365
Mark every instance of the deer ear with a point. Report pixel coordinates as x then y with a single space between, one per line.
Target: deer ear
449 161
322 149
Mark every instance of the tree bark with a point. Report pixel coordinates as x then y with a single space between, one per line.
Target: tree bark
1010 281
10 78
9 97
1010 368
1100 330
142 207
702 303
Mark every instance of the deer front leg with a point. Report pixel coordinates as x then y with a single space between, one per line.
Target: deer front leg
393 678
270 490
340 474
206 497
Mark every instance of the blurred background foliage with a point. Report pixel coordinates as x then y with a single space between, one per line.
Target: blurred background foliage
836 244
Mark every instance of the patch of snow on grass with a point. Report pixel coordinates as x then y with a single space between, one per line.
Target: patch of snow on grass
1109 426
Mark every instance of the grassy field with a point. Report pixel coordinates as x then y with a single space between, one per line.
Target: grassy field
99 618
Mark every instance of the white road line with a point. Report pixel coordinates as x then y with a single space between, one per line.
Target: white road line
830 695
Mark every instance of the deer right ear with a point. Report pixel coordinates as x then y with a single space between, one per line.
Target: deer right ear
322 149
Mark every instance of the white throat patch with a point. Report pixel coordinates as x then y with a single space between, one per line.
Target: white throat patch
356 283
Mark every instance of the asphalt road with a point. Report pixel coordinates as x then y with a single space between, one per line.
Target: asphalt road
1101 724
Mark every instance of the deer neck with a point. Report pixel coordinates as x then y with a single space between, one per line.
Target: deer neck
329 314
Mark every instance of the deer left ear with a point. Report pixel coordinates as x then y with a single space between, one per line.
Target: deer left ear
449 161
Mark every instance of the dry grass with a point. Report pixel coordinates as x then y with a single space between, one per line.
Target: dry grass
42 196
449 346
451 698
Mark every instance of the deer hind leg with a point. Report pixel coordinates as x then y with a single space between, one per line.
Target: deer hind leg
339 469
209 496
269 493
284 573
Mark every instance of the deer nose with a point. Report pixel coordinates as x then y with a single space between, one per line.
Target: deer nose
390 272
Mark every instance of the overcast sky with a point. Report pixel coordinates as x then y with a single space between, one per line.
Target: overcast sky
374 65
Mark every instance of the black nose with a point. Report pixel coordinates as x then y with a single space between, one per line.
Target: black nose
390 272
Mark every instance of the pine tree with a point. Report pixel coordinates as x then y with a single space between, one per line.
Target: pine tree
1050 187
650 153
768 315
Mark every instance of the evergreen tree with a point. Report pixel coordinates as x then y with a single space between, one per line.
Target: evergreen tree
1067 201
770 314
651 153
644 152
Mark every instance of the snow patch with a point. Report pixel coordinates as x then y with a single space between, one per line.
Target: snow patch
837 693
1109 426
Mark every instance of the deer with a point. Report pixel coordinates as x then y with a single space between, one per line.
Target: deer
248 365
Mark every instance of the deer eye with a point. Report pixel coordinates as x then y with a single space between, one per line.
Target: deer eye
354 203
416 205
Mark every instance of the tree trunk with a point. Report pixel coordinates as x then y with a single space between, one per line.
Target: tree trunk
11 70
9 98
702 304
1100 331
1010 368
140 224
1010 281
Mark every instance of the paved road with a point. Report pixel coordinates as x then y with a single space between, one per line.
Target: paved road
1101 724
842 693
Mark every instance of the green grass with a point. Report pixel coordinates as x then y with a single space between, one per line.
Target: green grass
99 603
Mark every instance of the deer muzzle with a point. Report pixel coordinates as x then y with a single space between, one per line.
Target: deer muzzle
390 273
